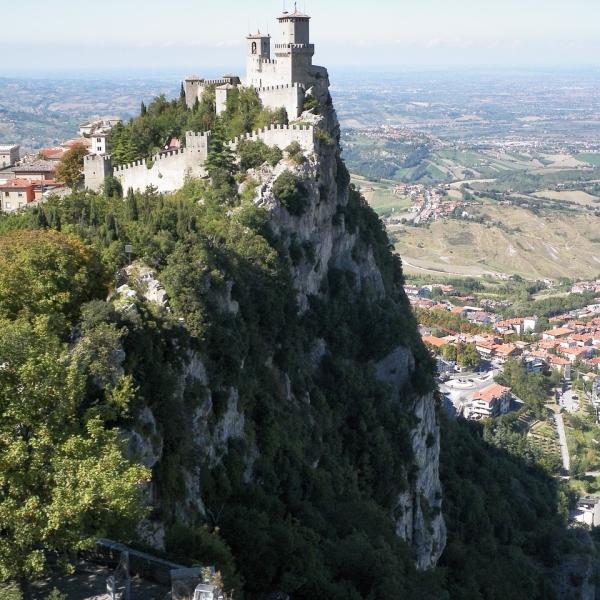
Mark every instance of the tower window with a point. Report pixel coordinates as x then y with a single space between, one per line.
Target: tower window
254 48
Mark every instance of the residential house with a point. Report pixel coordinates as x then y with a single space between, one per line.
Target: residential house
16 193
577 353
486 349
52 154
557 334
533 364
492 401
506 351
40 170
560 364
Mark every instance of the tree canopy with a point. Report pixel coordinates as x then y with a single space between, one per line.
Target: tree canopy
70 169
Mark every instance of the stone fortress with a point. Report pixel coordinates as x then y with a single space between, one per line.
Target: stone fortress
281 82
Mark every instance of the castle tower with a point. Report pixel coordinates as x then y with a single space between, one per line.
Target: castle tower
258 53
96 168
295 52
295 28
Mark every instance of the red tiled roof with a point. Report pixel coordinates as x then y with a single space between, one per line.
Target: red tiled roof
506 349
434 341
491 393
559 332
558 361
17 184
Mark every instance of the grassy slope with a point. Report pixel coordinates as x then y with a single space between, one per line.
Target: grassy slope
552 244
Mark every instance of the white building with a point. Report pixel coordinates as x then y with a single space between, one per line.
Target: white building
98 144
9 156
492 401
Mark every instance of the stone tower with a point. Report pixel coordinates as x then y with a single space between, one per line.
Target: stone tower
295 52
258 55
96 169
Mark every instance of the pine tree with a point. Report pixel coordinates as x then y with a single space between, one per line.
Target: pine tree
132 208
220 156
143 110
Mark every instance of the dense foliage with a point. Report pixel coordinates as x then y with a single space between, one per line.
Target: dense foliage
162 120
304 501
504 524
63 476
70 168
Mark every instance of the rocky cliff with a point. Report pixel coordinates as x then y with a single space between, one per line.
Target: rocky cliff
346 314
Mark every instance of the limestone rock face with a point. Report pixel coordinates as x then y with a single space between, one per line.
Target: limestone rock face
419 515
140 280
328 243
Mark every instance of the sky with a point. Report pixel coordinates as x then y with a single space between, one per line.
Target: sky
207 35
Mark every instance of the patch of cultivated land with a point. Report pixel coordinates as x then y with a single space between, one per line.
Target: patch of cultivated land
381 197
514 241
590 158
576 197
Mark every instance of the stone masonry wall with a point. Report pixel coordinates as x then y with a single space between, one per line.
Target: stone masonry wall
282 136
167 173
291 97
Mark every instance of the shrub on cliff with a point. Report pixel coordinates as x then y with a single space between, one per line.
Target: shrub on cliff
254 154
292 194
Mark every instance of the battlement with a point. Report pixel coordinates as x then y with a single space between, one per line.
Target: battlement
97 157
267 61
275 127
131 165
295 47
197 134
281 136
287 86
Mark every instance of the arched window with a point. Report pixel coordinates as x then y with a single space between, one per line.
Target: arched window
254 47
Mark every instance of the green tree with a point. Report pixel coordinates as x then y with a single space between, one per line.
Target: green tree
70 169
47 273
468 357
449 352
64 479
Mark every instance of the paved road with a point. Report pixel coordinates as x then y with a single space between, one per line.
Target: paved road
562 437
569 400
459 393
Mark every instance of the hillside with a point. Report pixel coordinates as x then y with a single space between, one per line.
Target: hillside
512 240
261 360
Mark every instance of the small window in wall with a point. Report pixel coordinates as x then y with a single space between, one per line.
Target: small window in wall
254 47
7 205
20 194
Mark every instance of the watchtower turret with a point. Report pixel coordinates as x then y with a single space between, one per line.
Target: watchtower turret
295 52
295 27
259 46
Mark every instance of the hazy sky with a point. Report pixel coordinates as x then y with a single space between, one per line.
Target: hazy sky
194 34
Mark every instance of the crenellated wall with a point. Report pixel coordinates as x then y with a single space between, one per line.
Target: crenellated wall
291 97
282 136
167 171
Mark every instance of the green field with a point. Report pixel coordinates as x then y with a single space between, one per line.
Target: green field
381 197
592 159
